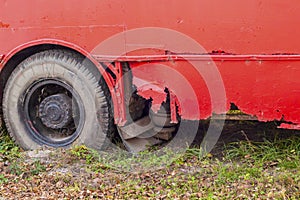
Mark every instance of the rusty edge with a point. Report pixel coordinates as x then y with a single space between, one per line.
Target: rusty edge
242 117
1 58
200 57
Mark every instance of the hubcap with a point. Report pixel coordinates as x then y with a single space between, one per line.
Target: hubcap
55 111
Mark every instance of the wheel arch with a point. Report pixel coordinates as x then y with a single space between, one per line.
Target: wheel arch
20 53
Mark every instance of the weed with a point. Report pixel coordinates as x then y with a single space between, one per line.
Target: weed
16 168
37 168
8 149
83 152
280 152
3 179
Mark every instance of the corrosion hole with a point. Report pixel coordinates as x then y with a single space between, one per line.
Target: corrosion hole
233 106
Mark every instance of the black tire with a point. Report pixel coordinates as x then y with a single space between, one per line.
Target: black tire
53 99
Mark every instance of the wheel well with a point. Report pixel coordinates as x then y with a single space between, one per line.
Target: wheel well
16 59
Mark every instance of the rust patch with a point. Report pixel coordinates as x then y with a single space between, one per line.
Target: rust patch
3 25
289 126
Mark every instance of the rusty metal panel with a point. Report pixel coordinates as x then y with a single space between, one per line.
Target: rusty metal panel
268 90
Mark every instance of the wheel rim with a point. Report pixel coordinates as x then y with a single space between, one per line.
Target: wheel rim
53 112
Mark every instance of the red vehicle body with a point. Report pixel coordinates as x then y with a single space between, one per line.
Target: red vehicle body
253 45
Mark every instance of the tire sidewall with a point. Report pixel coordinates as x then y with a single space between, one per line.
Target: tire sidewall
71 73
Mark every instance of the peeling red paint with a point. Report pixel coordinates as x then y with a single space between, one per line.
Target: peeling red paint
157 98
152 91
268 90
175 108
289 126
158 95
3 25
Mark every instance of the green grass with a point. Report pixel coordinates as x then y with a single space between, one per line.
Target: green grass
269 169
125 162
8 149
11 154
247 170
284 153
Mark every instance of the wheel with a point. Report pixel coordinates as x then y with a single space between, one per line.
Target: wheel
53 99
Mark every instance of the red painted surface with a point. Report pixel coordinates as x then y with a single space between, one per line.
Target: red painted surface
260 67
266 89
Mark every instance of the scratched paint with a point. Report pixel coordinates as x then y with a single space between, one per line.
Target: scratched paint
3 25
257 88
